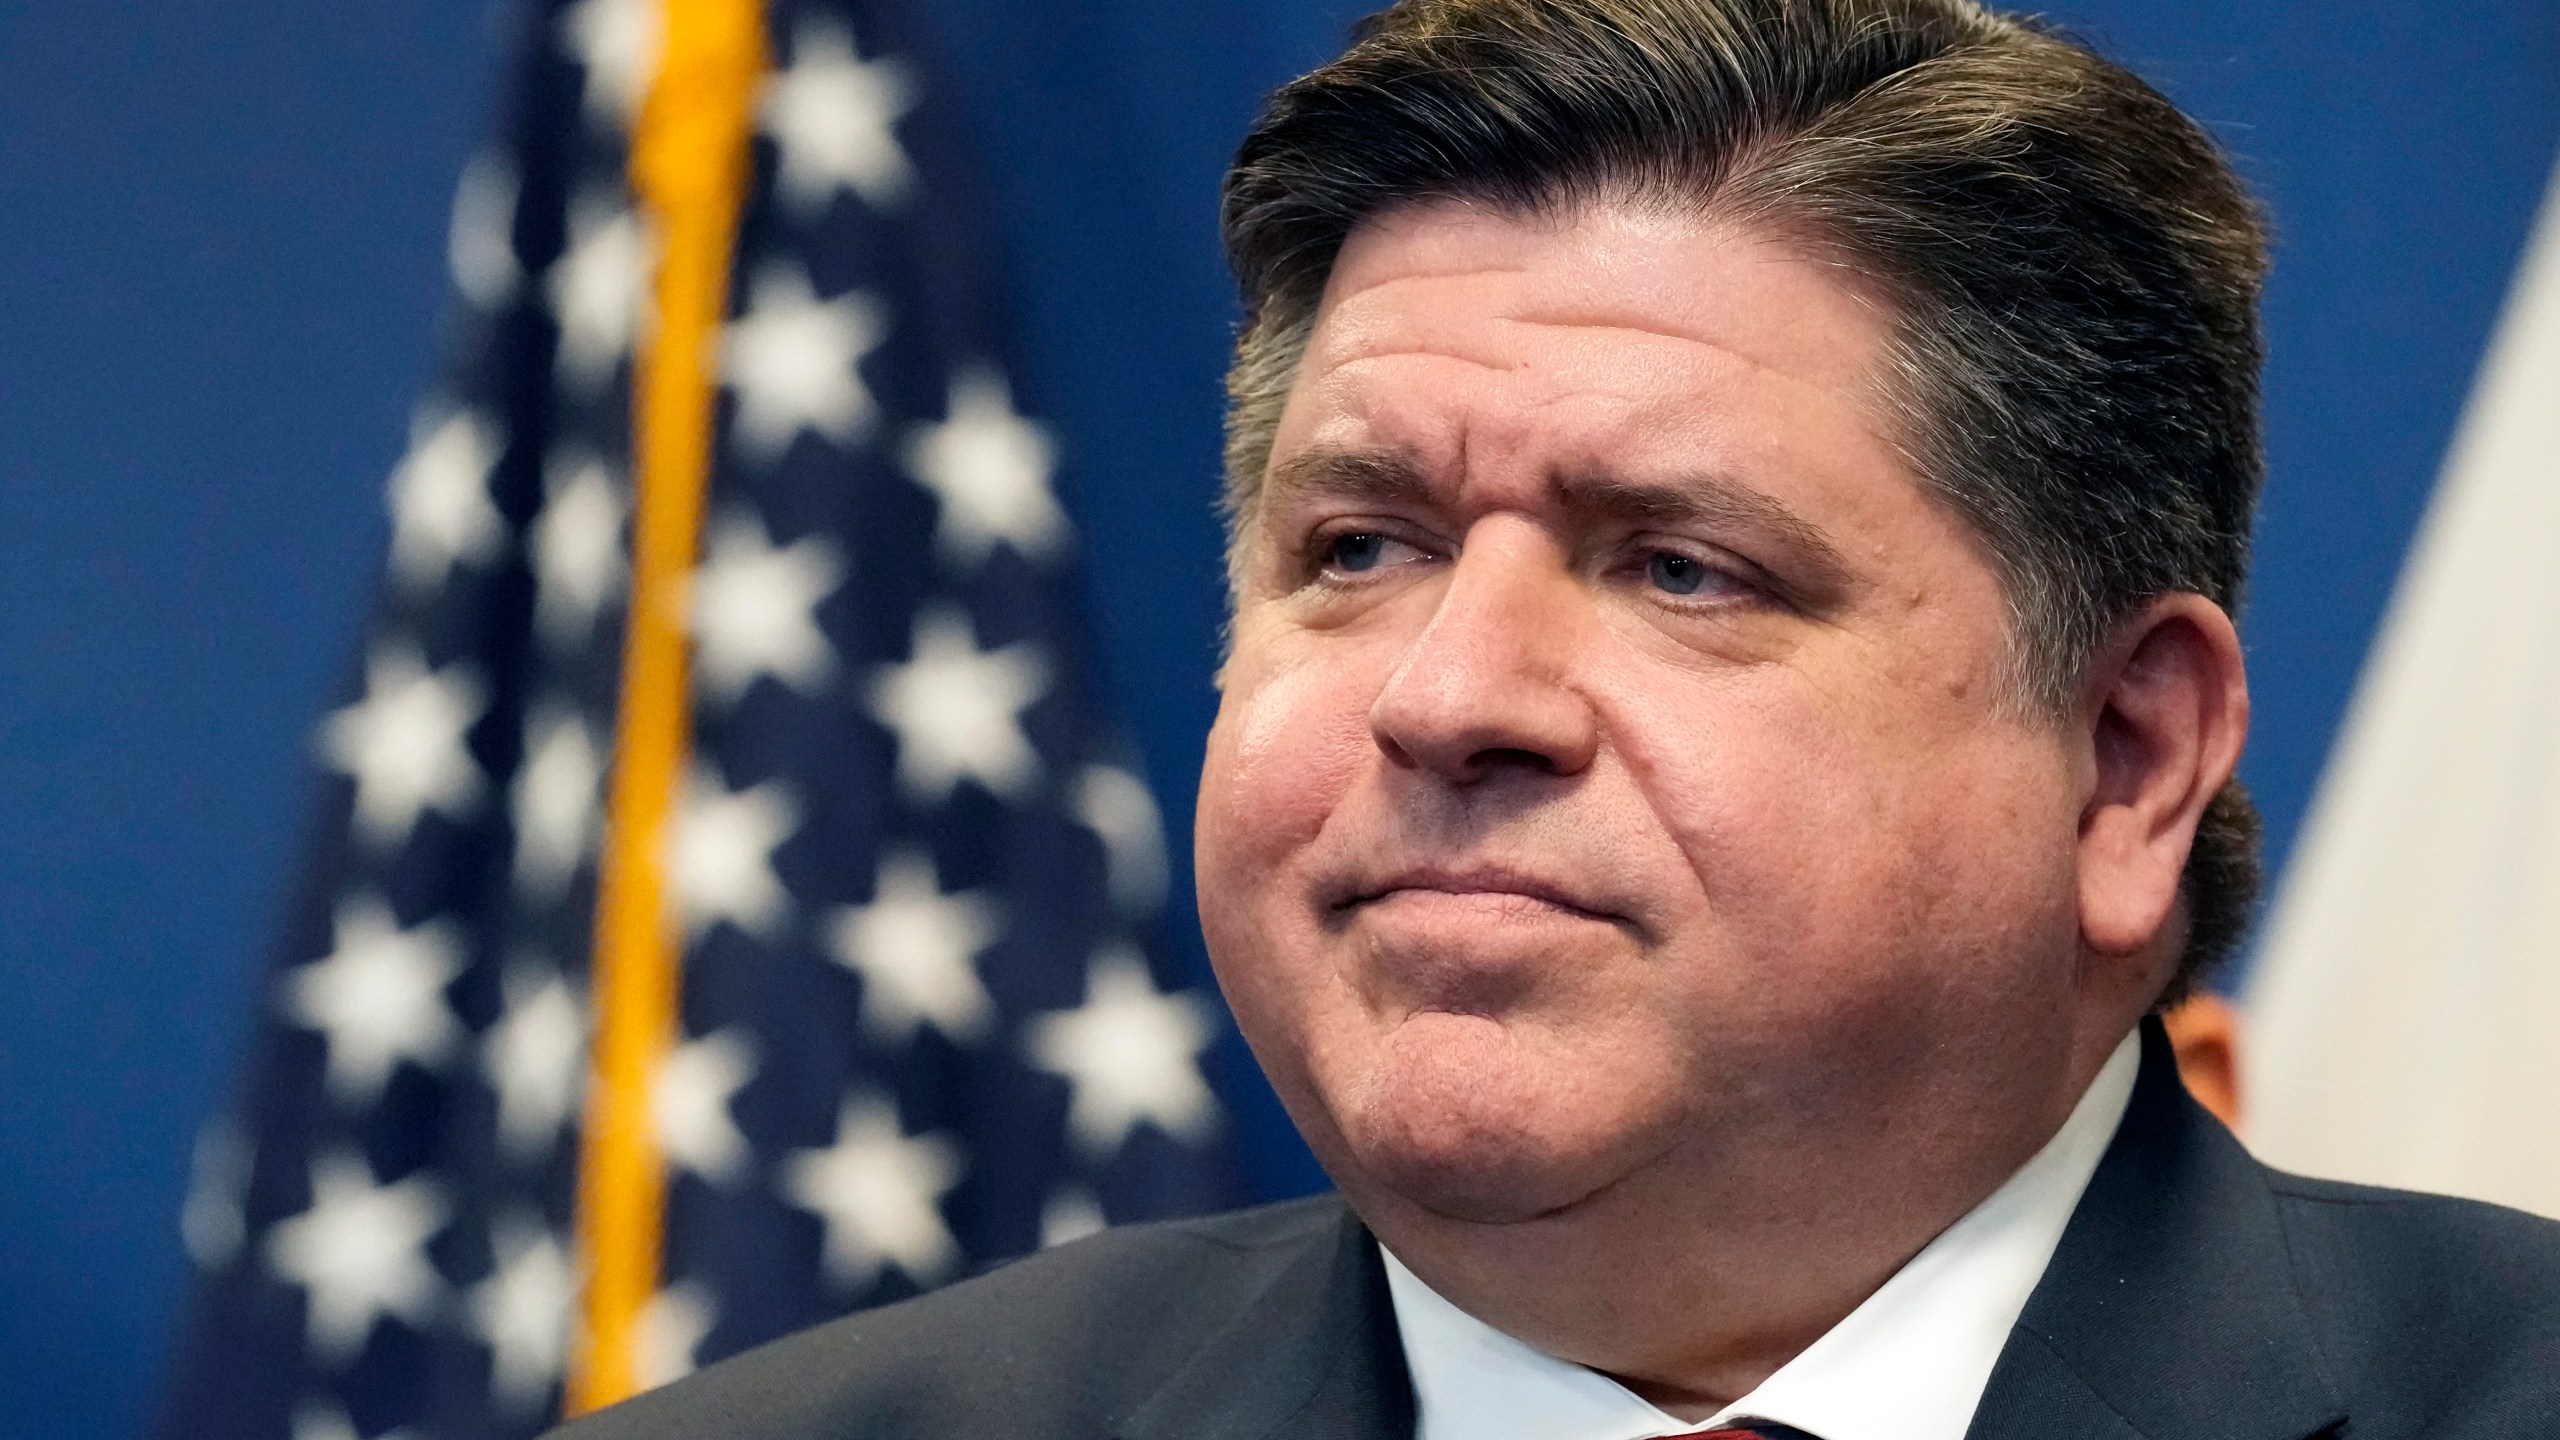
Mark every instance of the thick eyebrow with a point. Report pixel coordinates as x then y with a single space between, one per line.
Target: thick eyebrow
1711 502
1386 476
1809 564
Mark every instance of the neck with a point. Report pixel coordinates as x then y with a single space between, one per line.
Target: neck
1695 1279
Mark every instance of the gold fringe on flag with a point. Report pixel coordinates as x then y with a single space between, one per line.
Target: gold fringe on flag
689 170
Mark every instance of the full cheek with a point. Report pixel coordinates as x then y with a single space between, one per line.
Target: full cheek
1796 843
1893 929
1290 744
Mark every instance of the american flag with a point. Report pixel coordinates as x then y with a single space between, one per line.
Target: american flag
922 1021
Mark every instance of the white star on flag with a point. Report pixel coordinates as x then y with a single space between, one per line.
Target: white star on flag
834 118
359 1253
522 1311
557 798
319 1419
534 1059
721 855
599 290
378 998
479 246
672 1327
690 1099
441 513
916 950
1070 1215
879 1192
990 468
1118 807
576 546
403 743
792 358
617 41
1131 1054
957 710
755 609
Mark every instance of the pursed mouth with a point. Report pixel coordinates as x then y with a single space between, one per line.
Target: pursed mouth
1495 887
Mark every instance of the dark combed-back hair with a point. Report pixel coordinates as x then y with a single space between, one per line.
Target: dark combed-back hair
2073 265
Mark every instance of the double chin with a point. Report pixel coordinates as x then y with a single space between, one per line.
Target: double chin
1459 1116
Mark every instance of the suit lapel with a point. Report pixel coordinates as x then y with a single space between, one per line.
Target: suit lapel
1313 1356
2170 1309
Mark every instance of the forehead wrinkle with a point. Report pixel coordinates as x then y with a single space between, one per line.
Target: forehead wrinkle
1371 345
1597 326
1584 334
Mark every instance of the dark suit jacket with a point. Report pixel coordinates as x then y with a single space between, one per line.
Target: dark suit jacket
2197 1295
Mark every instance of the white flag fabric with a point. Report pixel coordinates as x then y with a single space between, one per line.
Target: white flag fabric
2404 1016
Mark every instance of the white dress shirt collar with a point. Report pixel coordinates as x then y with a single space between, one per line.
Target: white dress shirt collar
1909 1363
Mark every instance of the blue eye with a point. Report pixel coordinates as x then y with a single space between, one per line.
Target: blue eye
1357 551
1677 574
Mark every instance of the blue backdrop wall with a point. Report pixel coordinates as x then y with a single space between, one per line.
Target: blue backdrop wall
221 257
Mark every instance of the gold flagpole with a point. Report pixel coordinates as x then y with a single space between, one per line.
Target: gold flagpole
689 170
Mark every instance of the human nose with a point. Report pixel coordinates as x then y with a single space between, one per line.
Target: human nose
1486 686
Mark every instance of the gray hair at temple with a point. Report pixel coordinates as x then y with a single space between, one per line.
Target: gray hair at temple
2073 265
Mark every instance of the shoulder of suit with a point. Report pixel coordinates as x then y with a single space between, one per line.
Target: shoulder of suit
2449 1235
1062 1340
2448 1307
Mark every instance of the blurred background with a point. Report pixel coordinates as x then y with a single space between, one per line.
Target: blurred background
223 279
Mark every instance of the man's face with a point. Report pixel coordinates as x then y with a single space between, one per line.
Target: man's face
1613 774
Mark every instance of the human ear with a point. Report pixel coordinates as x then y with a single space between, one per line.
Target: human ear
2167 710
